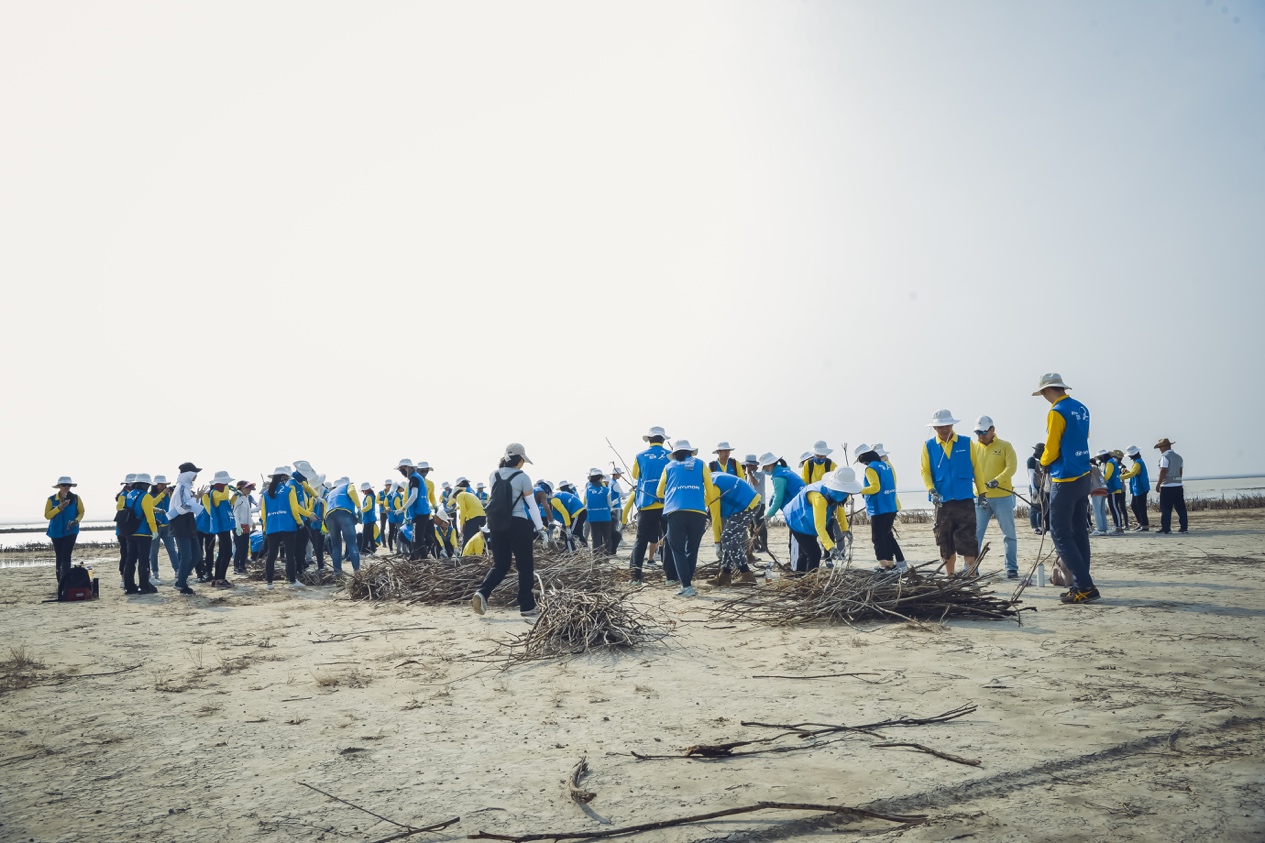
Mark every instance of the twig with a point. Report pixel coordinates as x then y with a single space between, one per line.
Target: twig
61 680
409 830
947 756
860 813
578 794
347 636
817 676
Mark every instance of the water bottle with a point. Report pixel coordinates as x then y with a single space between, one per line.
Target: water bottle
1041 575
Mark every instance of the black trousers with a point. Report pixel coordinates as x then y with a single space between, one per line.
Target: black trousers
382 523
601 532
471 528
137 563
301 538
208 554
1172 497
367 542
225 556
241 552
650 530
514 544
617 536
123 551
809 556
317 538
1115 505
1120 505
274 542
1138 505
885 546
62 549
424 537
577 527
393 533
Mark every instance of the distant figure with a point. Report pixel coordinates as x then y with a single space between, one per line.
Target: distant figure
1169 486
600 506
511 533
948 473
759 481
1036 482
368 518
162 499
182 515
1139 489
64 511
1067 458
647 468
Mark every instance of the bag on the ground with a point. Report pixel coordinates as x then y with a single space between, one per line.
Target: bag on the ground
1060 575
500 508
77 584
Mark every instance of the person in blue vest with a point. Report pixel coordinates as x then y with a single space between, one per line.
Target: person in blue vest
647 470
141 503
342 512
481 492
282 517
739 510
686 488
811 514
416 509
1115 491
723 464
786 484
161 492
316 532
1066 457
1139 489
244 509
384 534
617 515
395 515
600 508
64 511
568 510
206 537
948 472
218 502
760 482
368 519
880 505
119 501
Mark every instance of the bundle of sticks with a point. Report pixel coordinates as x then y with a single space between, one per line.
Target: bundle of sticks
574 621
454 580
850 595
256 571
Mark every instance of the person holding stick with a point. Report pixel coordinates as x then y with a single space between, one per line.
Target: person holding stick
739 509
948 472
811 513
995 467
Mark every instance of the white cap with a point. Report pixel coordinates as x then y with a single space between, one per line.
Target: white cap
366 487
1051 379
441 515
654 431
941 418
723 446
142 478
514 449
405 463
221 477
983 423
1132 450
768 458
861 449
684 445
843 480
64 480
820 449
281 471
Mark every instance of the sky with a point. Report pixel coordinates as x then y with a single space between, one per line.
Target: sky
245 233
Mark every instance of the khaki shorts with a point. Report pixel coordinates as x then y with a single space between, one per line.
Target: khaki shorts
955 529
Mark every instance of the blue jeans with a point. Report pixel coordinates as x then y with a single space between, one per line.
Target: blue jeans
1003 509
165 539
1100 512
341 525
1034 511
190 553
1069 507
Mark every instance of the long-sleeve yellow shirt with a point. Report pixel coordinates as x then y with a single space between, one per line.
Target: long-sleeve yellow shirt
1132 471
947 446
632 494
821 518
812 471
994 461
468 506
51 509
475 546
1054 429
147 509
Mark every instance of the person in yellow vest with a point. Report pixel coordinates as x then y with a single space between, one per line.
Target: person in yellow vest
723 464
818 463
477 543
995 466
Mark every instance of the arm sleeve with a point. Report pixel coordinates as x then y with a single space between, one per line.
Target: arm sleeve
412 498
50 509
628 505
355 499
1007 477
147 507
872 485
841 516
1131 472
821 514
663 485
366 504
557 507
1054 427
742 472
712 495
297 511
779 497
79 517
430 494
533 511
926 470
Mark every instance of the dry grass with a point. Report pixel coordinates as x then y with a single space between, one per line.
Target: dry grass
21 658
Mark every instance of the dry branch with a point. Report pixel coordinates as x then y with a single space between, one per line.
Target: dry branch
578 794
948 756
573 622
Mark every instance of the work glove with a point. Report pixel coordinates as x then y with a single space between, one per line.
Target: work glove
542 536
991 484
936 499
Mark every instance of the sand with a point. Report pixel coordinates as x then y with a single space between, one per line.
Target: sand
1139 718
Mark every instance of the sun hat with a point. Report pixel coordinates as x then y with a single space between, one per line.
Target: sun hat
750 459
461 480
598 473
941 418
1160 444
478 485
445 485
131 478
983 423
722 446
441 515
64 480
1049 379
1118 454
422 465
1133 451
654 431
769 458
387 482
281 471
325 484
615 471
805 457
684 445
188 466
878 449
820 449
221 477
1103 452
861 449
514 449
160 478
366 486
405 463
342 480
565 484
545 486
843 480
143 478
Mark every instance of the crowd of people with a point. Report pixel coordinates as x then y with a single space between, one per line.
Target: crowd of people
299 515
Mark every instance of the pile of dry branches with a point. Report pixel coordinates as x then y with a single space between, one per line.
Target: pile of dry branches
850 595
454 580
573 621
255 571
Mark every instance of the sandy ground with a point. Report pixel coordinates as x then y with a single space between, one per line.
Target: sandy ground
1138 718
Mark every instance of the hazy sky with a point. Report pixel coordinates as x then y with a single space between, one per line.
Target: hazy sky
245 233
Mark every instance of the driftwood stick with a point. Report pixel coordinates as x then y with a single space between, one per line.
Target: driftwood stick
578 794
409 830
347 636
947 756
816 676
436 827
859 813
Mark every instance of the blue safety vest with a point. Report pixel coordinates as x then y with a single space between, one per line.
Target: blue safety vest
160 507
482 495
573 505
597 500
799 512
1073 459
1115 484
884 500
953 475
407 531
221 514
650 465
794 483
421 506
1140 483
256 542
370 515
203 519
684 487
731 467
134 500
735 495
393 503
277 515
338 498
58 525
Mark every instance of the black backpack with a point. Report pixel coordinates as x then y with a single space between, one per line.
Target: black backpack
76 584
127 519
500 508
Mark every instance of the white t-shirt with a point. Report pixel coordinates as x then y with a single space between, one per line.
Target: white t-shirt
1173 462
520 487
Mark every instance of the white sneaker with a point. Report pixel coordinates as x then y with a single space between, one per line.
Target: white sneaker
155 581
1098 533
298 584
479 603
688 591
269 586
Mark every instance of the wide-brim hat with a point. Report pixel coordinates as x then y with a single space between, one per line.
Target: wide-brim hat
1049 379
305 468
130 478
684 445
1160 444
405 463
843 480
221 477
342 480
478 485
142 478
654 431
805 457
1133 450
750 459
820 449
461 480
861 449
769 458
941 418
722 446
64 480
160 479
366 486
878 449
422 466
281 471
